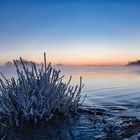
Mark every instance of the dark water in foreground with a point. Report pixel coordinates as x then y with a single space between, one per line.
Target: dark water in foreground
113 88
66 128
75 127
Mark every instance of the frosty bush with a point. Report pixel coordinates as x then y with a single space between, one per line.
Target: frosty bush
37 93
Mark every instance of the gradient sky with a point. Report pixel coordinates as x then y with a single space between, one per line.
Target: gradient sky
70 31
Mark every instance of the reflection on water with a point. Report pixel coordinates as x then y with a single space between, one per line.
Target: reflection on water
62 128
111 87
106 86
114 88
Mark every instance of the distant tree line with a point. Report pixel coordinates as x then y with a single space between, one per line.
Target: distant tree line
131 63
26 62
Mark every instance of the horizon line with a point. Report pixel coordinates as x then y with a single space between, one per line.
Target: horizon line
73 65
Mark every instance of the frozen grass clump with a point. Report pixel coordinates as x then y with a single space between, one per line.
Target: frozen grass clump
37 94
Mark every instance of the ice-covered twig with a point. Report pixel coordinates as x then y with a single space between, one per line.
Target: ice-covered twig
37 94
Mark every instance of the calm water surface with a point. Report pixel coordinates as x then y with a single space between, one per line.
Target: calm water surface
113 88
109 87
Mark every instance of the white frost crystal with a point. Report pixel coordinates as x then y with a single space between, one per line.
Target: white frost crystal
37 94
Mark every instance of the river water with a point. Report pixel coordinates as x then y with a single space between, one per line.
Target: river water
113 88
110 87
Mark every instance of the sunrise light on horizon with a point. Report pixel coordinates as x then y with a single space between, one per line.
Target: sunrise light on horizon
77 32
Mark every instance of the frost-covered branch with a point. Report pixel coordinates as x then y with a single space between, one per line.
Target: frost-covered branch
37 93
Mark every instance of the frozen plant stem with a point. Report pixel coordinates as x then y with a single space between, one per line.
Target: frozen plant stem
37 94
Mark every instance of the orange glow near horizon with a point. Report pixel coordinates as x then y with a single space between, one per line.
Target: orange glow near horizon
91 62
75 60
76 53
87 32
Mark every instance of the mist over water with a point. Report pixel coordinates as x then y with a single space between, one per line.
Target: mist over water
114 88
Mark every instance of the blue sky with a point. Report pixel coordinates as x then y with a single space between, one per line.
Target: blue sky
70 31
